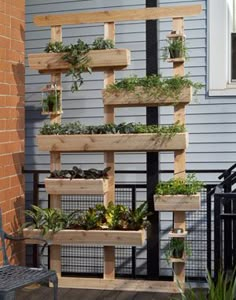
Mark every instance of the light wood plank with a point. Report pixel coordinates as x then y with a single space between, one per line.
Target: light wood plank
99 60
118 15
109 159
120 285
76 186
89 237
141 98
172 234
112 142
177 203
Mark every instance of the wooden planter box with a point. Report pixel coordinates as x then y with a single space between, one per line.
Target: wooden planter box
100 60
76 186
112 142
89 237
140 98
177 202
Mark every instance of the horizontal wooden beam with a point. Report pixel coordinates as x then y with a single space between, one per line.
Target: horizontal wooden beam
118 15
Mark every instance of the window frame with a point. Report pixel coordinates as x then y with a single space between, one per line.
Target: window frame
220 26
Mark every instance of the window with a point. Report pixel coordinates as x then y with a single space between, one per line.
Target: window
222 47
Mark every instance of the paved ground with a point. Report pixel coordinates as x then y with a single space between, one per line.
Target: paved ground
45 293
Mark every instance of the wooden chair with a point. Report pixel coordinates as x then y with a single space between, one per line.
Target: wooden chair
13 276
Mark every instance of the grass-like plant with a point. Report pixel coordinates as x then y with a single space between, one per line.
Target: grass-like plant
101 43
224 288
188 186
175 48
122 128
155 86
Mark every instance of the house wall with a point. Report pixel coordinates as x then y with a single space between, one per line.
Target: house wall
12 24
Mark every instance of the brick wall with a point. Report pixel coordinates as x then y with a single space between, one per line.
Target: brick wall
12 25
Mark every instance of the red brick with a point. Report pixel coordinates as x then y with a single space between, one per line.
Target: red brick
17 45
4 89
4 183
5 19
4 112
5 42
4 136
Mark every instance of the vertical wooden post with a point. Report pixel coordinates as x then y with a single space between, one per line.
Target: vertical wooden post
109 77
179 156
55 159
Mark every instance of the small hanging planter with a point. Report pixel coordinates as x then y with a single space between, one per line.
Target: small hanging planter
51 99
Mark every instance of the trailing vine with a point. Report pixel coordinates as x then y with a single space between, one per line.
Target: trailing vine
77 56
122 128
155 86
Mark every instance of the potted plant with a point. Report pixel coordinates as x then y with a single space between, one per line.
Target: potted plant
178 194
111 137
176 48
51 99
177 249
110 226
77 181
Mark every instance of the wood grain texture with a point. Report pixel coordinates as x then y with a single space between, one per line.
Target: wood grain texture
177 203
89 237
112 142
99 60
118 15
76 186
140 98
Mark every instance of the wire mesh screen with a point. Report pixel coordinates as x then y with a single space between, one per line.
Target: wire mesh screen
196 224
88 260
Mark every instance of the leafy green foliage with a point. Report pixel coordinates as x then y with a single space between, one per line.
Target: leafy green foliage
77 56
79 173
176 48
51 102
188 186
114 217
49 219
176 248
101 43
122 128
155 86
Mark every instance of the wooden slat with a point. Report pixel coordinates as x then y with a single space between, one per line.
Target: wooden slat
177 203
76 186
140 98
98 60
112 142
89 237
118 15
120 285
172 234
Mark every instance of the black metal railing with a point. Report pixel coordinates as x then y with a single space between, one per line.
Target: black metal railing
131 261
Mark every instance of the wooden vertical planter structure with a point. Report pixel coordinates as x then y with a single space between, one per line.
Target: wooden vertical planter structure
109 18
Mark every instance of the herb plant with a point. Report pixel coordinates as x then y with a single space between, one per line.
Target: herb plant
176 248
77 56
154 86
101 43
188 186
176 48
122 128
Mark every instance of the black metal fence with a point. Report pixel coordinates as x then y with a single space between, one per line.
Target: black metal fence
132 261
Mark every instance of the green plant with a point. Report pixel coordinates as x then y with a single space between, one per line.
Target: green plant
79 173
176 48
127 128
51 102
188 186
155 86
48 219
101 43
91 219
224 288
138 218
116 216
177 248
